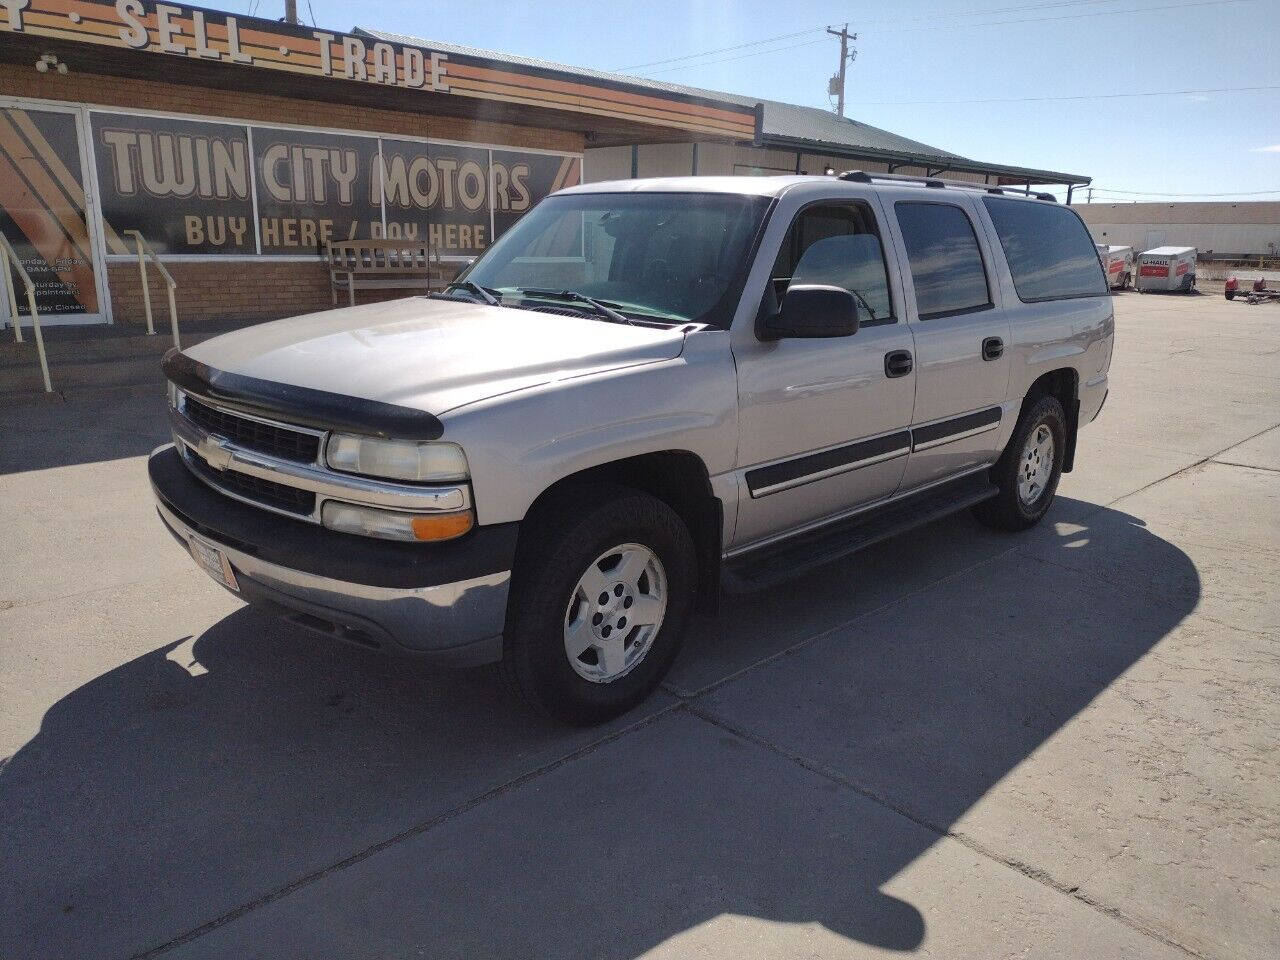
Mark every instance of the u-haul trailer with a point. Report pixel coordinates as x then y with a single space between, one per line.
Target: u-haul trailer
1118 264
1167 269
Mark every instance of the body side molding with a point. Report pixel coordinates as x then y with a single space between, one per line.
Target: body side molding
808 467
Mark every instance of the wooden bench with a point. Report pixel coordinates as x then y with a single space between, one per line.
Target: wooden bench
381 265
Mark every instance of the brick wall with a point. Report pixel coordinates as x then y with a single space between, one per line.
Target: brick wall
247 290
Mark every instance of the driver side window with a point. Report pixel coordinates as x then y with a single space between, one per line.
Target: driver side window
837 244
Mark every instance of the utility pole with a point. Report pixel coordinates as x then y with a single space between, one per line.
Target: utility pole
836 84
290 11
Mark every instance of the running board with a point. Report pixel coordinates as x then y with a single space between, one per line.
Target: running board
778 562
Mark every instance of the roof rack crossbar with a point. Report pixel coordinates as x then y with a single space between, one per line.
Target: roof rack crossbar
862 176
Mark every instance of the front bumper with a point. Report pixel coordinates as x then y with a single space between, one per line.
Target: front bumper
445 602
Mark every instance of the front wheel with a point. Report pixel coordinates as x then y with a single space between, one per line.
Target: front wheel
599 603
1028 471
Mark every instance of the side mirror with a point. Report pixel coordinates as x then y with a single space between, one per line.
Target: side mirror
812 311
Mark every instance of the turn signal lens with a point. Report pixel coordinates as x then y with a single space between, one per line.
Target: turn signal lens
442 526
390 525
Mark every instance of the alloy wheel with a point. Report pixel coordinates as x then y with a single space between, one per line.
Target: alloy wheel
614 612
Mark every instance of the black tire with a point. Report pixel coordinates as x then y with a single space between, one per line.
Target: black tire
557 545
1007 511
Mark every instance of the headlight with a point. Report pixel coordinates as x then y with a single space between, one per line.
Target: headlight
391 525
397 459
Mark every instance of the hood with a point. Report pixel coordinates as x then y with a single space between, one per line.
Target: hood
433 355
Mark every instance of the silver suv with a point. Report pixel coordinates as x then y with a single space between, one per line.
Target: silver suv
643 393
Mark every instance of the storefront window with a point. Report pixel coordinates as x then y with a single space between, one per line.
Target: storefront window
42 210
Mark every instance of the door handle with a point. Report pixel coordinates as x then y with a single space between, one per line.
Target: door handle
897 363
992 348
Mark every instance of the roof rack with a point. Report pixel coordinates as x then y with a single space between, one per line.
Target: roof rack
862 176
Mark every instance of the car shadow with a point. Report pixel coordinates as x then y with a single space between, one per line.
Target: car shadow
214 771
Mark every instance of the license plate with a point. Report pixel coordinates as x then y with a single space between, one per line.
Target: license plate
213 562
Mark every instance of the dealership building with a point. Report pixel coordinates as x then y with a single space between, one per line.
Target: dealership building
237 148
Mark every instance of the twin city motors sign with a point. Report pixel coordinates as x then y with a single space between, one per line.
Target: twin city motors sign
209 187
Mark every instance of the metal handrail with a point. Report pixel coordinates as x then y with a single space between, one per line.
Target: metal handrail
144 253
11 262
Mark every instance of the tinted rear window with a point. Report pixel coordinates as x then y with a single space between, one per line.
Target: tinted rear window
1050 253
946 264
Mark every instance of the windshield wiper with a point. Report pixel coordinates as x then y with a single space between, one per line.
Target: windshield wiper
599 306
477 290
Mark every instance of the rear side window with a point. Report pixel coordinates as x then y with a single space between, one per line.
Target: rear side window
946 263
1050 253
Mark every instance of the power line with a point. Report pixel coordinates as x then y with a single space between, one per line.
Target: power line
1021 8
709 63
899 19
1082 96
1146 193
707 53
1073 16
696 59
933 17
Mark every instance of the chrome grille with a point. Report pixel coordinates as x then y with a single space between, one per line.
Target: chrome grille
253 434
277 495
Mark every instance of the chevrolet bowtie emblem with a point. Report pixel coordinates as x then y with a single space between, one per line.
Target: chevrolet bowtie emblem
216 453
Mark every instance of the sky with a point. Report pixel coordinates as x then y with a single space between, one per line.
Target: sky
922 66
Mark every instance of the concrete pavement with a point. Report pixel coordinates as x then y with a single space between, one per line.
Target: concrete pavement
957 744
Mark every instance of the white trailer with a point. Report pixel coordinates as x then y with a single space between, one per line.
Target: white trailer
1166 269
1118 264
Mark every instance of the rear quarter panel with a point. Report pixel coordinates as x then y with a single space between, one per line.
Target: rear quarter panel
1049 335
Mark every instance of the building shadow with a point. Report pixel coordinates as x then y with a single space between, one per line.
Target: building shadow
213 771
37 436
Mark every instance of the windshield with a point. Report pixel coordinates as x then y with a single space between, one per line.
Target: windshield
673 257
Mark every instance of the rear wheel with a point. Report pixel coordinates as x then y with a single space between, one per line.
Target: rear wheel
1028 471
599 603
